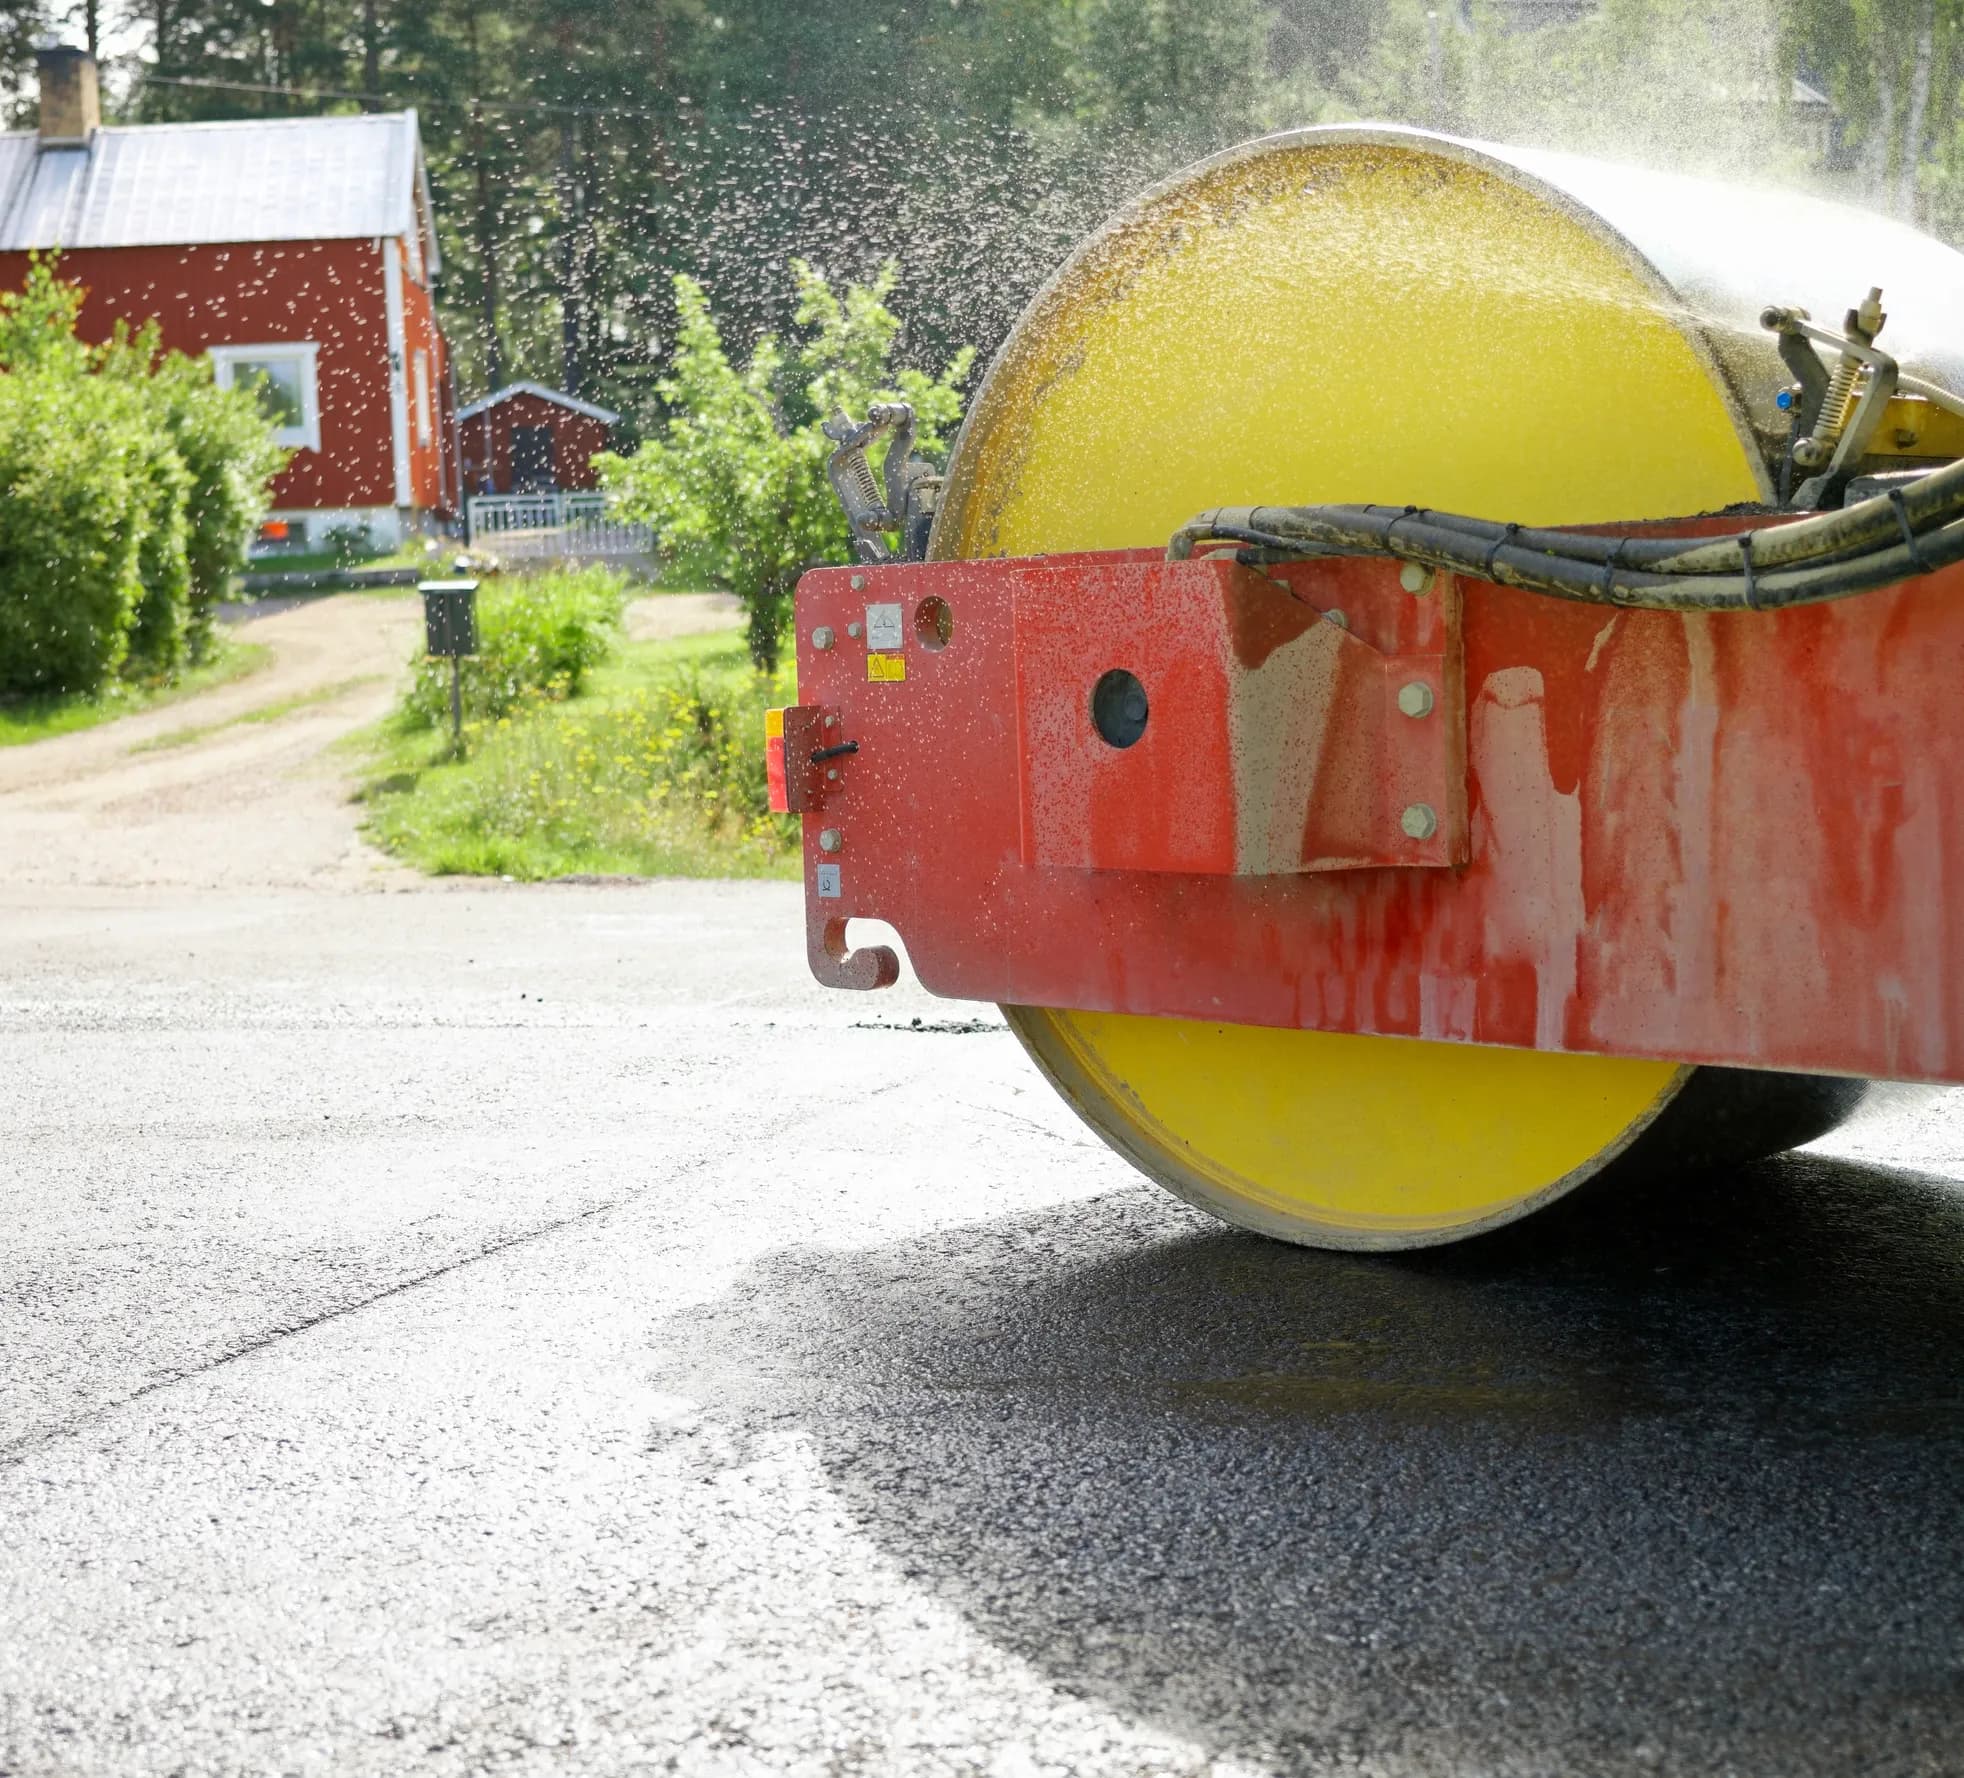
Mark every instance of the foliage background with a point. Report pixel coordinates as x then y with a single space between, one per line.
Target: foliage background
586 151
584 752
132 486
537 640
734 482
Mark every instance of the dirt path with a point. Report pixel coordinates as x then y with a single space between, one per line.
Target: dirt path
244 787
664 616
234 788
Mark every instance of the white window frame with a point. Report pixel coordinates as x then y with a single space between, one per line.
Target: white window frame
425 408
226 359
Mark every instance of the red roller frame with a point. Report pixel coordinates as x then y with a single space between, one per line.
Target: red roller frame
1733 838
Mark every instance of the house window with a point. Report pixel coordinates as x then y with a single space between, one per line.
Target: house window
425 426
286 380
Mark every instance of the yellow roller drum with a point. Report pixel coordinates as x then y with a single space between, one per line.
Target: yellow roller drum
1344 316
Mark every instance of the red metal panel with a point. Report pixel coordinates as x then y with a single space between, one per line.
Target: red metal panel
1731 839
1257 698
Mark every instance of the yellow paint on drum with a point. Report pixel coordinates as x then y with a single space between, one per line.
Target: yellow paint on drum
1343 316
1339 1140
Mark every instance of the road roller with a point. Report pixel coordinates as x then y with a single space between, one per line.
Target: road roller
1433 671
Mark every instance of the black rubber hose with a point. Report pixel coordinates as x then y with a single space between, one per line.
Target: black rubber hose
1927 503
1663 555
1908 531
1414 536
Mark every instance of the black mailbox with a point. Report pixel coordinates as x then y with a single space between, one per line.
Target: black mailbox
450 617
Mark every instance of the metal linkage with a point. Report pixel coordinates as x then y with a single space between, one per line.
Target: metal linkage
1840 411
912 485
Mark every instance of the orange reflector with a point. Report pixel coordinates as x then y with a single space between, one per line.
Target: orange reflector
774 761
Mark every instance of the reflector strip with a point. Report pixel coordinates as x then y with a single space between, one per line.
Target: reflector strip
774 761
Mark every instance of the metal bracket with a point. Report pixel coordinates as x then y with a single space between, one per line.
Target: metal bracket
1833 438
912 488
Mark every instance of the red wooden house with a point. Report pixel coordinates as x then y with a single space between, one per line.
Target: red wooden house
296 252
528 439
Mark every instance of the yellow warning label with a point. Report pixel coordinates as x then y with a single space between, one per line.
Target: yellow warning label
886 668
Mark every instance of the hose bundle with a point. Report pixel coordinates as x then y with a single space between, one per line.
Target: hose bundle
1893 537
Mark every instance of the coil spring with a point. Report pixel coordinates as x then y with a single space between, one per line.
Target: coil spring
1838 400
863 483
1835 407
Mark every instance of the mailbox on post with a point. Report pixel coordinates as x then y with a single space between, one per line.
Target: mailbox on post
450 629
450 616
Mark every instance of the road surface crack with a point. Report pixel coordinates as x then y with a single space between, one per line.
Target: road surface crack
15 1451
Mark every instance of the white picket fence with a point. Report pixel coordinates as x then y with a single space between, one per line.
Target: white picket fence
533 526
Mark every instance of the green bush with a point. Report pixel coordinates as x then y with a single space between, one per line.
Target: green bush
77 508
130 484
695 742
537 640
160 625
231 458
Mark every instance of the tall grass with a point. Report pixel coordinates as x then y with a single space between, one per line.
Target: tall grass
537 641
659 771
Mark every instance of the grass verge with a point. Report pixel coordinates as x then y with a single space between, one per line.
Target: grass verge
654 769
39 718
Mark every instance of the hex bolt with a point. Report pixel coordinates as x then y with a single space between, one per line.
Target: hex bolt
1418 821
855 630
1336 617
1416 579
859 583
1415 699
830 840
822 636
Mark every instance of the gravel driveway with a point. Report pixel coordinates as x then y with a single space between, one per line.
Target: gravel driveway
246 803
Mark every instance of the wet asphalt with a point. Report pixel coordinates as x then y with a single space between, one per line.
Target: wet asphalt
503 1330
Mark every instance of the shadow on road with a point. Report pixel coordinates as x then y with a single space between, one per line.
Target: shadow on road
1668 1479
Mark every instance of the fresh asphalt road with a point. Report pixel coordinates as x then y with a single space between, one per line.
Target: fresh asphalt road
511 1331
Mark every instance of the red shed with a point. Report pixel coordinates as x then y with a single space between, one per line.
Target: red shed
295 251
528 439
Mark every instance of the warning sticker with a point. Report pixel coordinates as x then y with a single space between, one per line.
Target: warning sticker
883 627
886 669
828 881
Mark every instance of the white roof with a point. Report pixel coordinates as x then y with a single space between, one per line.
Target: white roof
176 184
559 396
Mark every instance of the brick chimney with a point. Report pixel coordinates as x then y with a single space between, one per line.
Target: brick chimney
71 102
